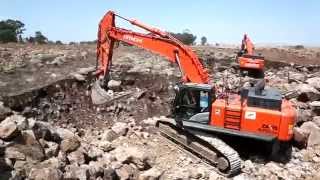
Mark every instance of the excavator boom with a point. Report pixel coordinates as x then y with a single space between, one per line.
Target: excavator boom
247 45
156 41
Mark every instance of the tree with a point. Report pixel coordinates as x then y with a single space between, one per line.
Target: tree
186 37
203 40
30 39
11 30
40 38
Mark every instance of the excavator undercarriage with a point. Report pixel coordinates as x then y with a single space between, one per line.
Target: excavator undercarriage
207 147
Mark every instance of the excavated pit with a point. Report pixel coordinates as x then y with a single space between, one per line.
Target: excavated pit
68 101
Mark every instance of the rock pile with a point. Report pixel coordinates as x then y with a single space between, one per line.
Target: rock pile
39 150
63 136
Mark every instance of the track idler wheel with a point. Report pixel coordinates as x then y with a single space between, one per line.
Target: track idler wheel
223 164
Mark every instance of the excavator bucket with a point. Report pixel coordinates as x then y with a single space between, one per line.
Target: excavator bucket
99 95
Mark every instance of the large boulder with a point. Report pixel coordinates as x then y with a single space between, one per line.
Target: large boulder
113 84
304 115
22 168
64 133
4 111
22 122
109 174
96 169
120 128
198 173
51 149
78 76
8 129
307 93
95 152
45 174
296 77
300 137
76 172
29 146
315 106
25 147
314 82
316 120
69 144
51 163
151 174
127 171
109 135
106 146
107 159
140 157
76 157
314 138
62 158
308 127
58 60
313 133
87 70
14 154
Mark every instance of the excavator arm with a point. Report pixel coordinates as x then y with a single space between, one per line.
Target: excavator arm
156 41
247 46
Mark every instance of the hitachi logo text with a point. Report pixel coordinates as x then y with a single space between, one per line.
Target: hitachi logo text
134 39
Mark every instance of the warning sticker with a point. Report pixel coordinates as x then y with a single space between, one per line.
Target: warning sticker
250 115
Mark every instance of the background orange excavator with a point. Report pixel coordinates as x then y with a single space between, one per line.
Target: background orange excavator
248 60
198 115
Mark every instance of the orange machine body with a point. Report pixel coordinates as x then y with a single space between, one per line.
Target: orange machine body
251 62
246 58
235 115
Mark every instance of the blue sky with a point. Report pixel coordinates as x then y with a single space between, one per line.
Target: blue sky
266 21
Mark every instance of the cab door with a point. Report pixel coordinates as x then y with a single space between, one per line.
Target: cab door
193 105
186 104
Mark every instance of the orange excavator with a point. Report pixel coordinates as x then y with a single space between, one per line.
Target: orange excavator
198 113
248 60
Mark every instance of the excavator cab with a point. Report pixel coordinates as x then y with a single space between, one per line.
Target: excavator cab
193 102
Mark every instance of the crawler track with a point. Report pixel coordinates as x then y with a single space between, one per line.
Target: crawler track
209 149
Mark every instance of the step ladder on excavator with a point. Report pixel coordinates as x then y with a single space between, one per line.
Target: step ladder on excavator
232 118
